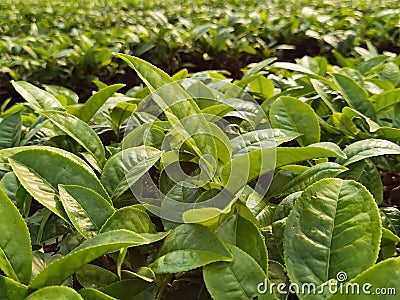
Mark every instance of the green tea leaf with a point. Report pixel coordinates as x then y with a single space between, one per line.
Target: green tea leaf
41 169
93 294
388 133
277 275
237 279
367 148
42 260
355 95
130 289
10 185
244 109
369 66
308 177
388 244
292 114
262 86
278 230
96 101
120 113
189 246
265 138
258 67
319 88
385 101
15 244
55 292
39 188
365 172
89 250
10 131
61 91
12 290
79 131
37 98
285 206
86 209
331 218
155 79
391 219
92 276
245 235
130 218
384 276
391 73
180 109
57 166
261 161
293 67
126 167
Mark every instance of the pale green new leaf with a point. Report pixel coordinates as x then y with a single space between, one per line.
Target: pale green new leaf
293 67
179 102
257 68
262 86
178 106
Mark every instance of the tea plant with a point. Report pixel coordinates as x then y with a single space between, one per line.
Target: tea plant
200 187
70 43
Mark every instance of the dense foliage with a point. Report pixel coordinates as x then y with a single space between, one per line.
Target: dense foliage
75 187
70 43
266 158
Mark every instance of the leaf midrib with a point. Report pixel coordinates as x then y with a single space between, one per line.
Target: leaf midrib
337 197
